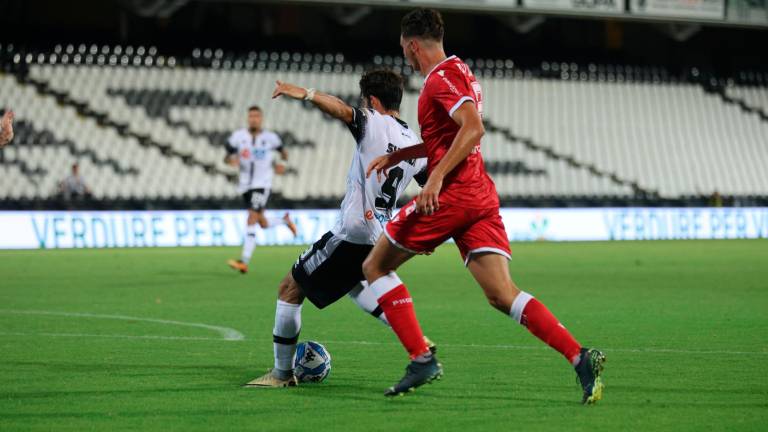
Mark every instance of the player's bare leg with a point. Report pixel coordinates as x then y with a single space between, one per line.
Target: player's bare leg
285 335
266 222
289 223
383 259
379 269
258 218
491 272
249 243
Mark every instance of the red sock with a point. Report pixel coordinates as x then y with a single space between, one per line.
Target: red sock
397 304
540 321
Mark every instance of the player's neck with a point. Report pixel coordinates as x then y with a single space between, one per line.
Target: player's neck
431 59
393 113
254 132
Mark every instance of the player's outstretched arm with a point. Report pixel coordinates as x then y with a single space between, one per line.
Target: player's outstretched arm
331 105
382 163
470 131
6 128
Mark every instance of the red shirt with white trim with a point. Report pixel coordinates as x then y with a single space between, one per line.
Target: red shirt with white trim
450 84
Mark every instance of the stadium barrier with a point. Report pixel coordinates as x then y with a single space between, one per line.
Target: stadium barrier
105 229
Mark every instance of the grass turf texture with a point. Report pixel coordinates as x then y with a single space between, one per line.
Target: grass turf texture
683 325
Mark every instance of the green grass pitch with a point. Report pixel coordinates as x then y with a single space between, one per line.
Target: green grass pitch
684 326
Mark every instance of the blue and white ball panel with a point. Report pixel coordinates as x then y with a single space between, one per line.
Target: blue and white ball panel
313 362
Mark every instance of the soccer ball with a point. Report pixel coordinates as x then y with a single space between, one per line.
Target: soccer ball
312 362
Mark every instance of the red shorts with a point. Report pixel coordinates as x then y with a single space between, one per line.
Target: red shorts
474 230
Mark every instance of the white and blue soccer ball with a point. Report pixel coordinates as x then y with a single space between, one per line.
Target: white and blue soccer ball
312 362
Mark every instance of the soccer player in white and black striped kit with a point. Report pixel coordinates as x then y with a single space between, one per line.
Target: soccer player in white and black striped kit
252 150
332 267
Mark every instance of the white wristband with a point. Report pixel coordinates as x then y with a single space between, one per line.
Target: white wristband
310 94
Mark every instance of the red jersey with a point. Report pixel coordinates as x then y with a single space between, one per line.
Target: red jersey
446 87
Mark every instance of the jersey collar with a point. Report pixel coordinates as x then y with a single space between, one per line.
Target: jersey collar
433 69
402 123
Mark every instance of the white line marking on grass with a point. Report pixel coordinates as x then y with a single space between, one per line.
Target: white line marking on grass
226 333
229 334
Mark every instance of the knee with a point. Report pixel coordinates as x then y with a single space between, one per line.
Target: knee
499 302
289 292
263 223
371 269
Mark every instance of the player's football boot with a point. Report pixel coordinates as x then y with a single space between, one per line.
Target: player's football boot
238 265
417 374
289 223
431 345
269 380
589 371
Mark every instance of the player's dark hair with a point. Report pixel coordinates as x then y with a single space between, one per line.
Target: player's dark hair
385 84
423 23
254 108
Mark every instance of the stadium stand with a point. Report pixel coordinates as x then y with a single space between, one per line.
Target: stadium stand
148 126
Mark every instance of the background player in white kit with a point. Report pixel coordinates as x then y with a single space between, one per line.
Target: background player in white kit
332 267
252 150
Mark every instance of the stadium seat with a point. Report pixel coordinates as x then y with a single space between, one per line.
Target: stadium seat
143 126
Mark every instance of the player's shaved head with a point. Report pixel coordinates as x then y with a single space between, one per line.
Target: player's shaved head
423 23
384 84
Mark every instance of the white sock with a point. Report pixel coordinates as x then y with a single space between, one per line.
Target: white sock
286 334
364 297
518 306
385 284
248 243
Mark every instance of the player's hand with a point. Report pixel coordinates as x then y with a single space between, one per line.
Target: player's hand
232 160
381 164
288 89
427 202
280 168
6 128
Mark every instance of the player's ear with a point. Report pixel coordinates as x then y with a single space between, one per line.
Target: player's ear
376 104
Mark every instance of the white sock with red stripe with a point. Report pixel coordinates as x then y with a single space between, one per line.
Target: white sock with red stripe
396 301
532 314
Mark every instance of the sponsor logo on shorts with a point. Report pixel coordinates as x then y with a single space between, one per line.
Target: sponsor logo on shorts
410 209
369 215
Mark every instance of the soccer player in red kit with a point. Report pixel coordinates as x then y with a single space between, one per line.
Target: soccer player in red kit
459 201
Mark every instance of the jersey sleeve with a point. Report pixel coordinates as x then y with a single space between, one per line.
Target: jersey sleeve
231 146
277 142
449 89
358 124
